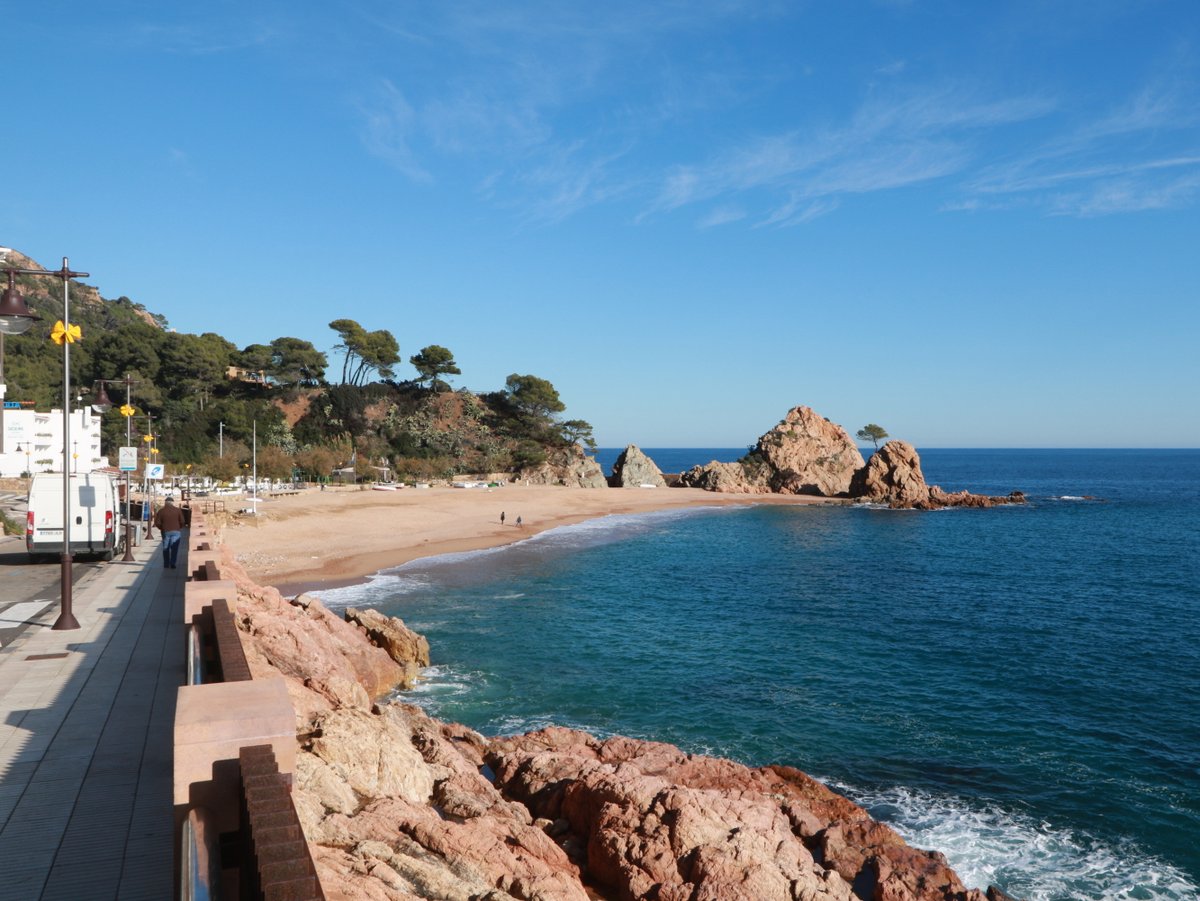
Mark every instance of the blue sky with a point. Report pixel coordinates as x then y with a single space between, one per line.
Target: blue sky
973 223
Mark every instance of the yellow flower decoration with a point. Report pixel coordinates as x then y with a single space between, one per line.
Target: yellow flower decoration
67 333
126 410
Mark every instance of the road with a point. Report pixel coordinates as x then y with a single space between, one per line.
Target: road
28 589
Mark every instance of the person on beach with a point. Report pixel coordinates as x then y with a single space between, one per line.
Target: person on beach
518 522
501 517
169 522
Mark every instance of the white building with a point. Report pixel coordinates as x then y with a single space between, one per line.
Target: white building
31 441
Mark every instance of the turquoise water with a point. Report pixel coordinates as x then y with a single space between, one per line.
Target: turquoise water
1018 688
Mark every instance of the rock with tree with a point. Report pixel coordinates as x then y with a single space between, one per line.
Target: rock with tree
873 433
893 476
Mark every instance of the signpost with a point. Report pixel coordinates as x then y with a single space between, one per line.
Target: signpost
127 459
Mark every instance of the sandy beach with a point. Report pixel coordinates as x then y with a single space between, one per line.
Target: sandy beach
323 539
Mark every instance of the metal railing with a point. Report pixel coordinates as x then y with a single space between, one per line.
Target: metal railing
200 865
195 658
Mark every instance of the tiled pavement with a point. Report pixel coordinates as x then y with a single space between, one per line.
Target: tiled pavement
86 720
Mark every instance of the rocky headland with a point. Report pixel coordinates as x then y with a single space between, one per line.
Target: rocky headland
396 805
807 453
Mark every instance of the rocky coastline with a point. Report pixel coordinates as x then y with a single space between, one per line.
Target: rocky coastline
806 453
396 805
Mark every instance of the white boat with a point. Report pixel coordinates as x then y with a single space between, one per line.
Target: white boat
384 486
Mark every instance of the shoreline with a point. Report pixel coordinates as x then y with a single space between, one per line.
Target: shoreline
413 770
321 540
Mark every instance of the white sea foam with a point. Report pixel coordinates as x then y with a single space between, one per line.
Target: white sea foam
389 583
1026 857
439 683
408 577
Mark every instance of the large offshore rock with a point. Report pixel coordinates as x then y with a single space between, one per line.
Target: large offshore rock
804 454
893 476
634 469
808 454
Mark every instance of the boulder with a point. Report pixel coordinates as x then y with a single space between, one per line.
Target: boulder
373 755
634 469
395 801
403 645
568 466
724 477
893 476
319 650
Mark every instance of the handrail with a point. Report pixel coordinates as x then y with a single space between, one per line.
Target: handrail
195 660
200 866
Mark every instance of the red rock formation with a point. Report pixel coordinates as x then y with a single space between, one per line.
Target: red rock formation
403 645
653 822
804 454
893 476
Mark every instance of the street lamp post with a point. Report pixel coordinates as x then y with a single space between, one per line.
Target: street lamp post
103 405
65 334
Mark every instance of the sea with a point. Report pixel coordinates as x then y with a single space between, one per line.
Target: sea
1017 687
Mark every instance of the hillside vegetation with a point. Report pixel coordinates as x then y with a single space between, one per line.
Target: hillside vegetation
185 386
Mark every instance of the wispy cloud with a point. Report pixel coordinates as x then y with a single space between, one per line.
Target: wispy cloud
201 38
388 132
887 143
1141 154
545 104
551 108
722 215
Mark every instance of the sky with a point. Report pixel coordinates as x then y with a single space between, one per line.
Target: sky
975 224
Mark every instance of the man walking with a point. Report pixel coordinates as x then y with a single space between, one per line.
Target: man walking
169 522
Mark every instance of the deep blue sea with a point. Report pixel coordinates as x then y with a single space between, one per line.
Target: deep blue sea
1018 688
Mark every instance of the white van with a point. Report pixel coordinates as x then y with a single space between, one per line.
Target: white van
97 526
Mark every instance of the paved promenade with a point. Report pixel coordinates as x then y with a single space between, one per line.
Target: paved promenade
86 721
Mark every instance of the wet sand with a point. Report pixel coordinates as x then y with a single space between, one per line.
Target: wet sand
325 539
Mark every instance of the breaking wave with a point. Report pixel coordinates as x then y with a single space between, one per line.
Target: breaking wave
1027 858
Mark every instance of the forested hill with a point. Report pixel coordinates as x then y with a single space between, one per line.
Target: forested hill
312 413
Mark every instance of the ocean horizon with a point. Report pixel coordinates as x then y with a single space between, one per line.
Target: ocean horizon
1018 688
